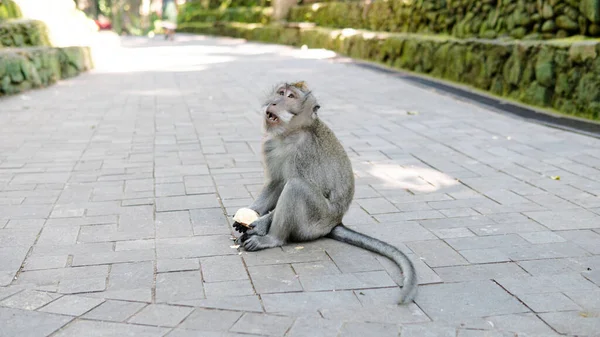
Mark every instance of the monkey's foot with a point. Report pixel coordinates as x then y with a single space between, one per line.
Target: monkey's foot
256 242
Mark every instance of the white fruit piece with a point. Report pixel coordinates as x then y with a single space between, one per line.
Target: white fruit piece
245 216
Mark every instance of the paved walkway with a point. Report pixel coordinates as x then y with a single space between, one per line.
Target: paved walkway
114 188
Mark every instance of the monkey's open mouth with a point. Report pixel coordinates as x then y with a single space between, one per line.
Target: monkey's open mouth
272 117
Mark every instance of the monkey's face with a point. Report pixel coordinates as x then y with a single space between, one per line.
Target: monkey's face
289 106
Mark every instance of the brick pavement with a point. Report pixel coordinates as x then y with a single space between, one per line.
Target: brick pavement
115 186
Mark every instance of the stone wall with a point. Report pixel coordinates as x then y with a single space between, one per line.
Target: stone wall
241 14
22 69
562 75
521 19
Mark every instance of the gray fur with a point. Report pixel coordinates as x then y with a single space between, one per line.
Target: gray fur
309 184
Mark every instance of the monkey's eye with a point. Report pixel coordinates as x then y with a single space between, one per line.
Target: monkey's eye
291 96
280 92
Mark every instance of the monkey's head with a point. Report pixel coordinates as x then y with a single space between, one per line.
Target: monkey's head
289 106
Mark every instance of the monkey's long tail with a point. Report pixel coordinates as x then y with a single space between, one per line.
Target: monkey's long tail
347 235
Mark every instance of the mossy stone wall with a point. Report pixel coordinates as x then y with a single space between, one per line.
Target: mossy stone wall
22 69
563 75
520 19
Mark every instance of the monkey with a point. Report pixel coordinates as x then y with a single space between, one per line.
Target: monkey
309 183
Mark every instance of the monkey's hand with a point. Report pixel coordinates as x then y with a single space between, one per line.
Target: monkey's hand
259 227
243 218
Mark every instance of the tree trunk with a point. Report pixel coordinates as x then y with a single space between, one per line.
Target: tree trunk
281 8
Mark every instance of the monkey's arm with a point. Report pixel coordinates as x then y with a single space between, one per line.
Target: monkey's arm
267 199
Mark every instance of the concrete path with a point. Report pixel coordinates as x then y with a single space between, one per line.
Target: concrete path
117 188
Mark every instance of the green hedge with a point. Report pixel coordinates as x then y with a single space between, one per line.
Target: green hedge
527 19
560 74
23 33
242 14
35 67
214 4
9 10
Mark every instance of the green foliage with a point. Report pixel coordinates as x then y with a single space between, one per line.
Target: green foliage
35 67
564 76
196 5
519 19
9 10
242 14
23 33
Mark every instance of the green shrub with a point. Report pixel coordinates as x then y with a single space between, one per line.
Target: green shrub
23 33
9 10
563 75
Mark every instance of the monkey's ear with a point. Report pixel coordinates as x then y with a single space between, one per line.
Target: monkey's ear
316 108
300 85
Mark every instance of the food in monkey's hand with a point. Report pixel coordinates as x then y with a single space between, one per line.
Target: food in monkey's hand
243 218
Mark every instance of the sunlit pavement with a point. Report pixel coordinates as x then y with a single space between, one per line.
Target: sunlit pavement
117 188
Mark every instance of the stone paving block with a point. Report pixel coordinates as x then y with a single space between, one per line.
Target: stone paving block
543 251
72 305
566 219
114 257
17 322
15 237
548 302
45 262
572 322
470 221
450 233
364 329
524 324
185 285
545 284
173 224
390 314
406 216
479 272
436 253
374 279
29 300
223 268
280 256
58 236
309 326
377 205
263 324
134 245
488 255
588 300
6 292
239 303
507 228
274 278
317 268
309 301
182 203
169 265
82 285
169 189
351 259
228 288
114 311
427 330
542 237
211 320
85 328
467 299
397 233
585 239
209 221
161 315
494 241
197 246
